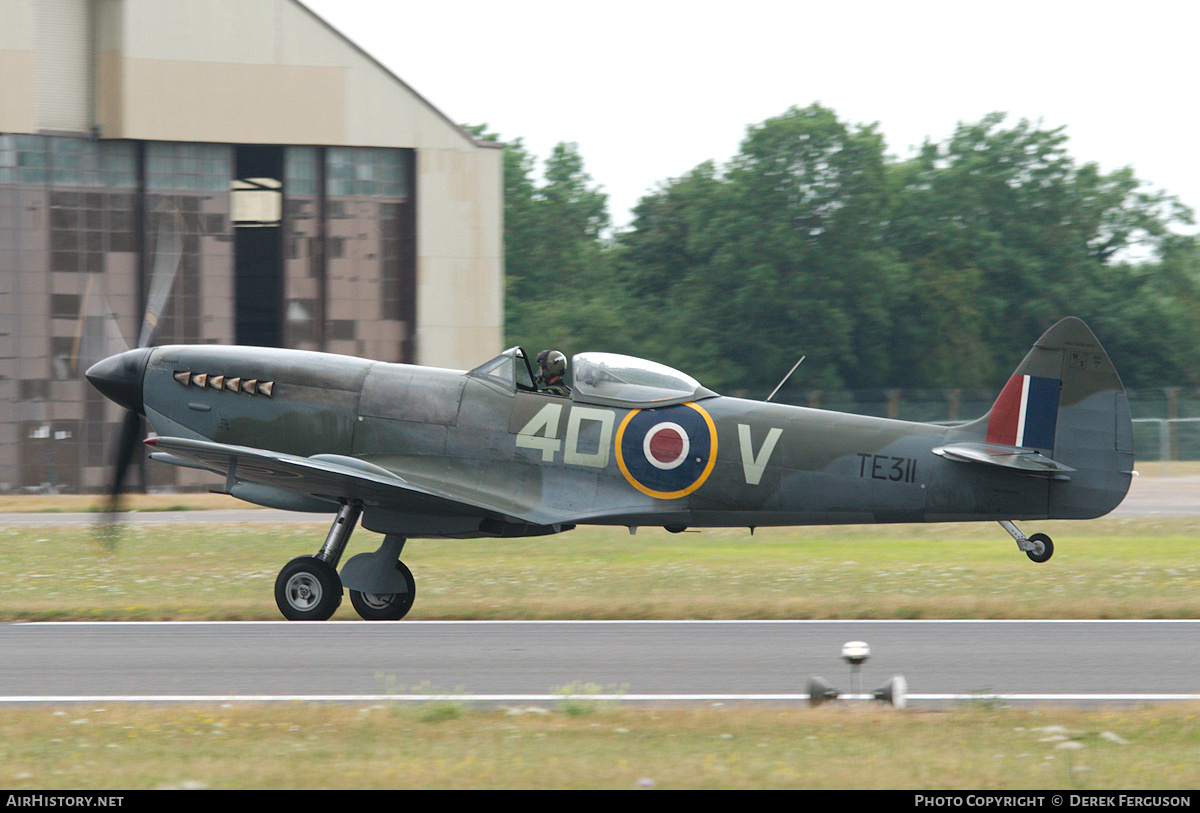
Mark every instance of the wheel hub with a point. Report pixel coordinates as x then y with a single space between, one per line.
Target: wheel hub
303 591
379 600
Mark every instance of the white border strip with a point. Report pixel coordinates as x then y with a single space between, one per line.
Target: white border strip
339 623
1020 441
554 698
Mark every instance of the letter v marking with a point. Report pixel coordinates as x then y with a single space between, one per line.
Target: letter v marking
752 464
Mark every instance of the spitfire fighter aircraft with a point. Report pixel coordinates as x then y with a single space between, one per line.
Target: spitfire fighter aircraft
422 452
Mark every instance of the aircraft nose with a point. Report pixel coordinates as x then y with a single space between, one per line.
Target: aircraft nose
119 377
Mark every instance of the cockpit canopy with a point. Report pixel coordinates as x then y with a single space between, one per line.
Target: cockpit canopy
601 378
609 378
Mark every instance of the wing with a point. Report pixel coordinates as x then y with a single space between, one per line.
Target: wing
321 482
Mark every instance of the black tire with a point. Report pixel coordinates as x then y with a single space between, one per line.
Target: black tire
308 589
1047 548
386 606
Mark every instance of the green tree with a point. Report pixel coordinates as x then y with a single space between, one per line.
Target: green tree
553 250
563 299
1005 235
780 255
935 271
1149 316
653 260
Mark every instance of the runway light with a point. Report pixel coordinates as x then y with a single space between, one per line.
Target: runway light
819 690
895 691
856 652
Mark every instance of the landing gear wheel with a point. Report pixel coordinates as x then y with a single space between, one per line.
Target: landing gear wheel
386 606
1043 548
308 589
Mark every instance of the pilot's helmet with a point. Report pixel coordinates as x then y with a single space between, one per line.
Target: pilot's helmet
552 363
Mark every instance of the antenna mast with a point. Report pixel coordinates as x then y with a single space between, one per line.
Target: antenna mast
785 378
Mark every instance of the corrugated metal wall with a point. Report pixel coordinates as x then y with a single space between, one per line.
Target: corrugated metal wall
64 70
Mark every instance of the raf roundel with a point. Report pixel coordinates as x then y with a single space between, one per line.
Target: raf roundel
669 452
666 446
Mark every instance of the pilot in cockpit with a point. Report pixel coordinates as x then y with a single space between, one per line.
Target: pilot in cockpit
551 366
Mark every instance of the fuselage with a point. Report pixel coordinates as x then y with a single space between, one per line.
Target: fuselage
704 461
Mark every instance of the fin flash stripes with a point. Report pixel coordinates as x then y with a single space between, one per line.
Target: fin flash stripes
1026 413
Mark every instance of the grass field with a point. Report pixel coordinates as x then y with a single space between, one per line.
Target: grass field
1108 568
288 746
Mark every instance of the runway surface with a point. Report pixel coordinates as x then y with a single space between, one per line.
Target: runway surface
655 662
1068 662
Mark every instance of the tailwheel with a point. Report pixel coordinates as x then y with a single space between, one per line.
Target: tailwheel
1042 550
1038 547
386 606
308 589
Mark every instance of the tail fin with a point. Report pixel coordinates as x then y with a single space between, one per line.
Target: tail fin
1066 401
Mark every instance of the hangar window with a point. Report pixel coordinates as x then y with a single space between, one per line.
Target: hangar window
369 171
256 208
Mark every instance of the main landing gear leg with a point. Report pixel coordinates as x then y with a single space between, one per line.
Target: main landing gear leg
308 588
1039 547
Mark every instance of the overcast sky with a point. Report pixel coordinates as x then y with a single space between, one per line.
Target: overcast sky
650 89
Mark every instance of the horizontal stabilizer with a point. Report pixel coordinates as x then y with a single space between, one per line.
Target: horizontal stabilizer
1026 461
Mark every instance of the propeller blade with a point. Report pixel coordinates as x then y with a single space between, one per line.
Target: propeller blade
131 430
97 334
168 252
107 529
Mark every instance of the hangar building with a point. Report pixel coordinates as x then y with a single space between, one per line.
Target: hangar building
290 189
